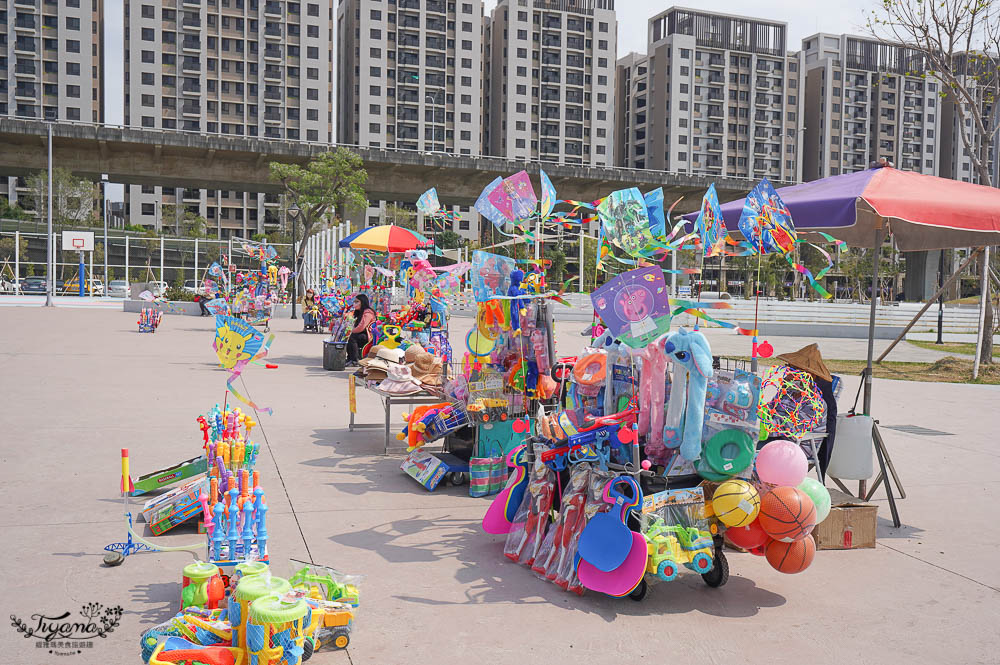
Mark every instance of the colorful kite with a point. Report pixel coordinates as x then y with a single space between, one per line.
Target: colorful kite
236 344
634 306
428 202
515 197
548 195
625 220
765 221
710 226
486 208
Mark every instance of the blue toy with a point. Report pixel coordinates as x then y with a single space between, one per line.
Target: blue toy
692 353
516 277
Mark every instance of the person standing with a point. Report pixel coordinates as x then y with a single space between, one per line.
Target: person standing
364 316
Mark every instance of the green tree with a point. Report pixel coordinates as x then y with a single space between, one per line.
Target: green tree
557 267
956 43
448 240
72 198
400 216
10 210
327 185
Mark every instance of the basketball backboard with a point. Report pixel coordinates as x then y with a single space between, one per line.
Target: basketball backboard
80 241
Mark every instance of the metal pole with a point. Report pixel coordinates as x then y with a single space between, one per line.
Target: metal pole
295 271
161 261
196 263
17 262
876 255
984 302
940 340
128 277
538 238
50 253
582 273
673 275
104 218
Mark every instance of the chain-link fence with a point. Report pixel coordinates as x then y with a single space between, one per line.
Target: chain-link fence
130 257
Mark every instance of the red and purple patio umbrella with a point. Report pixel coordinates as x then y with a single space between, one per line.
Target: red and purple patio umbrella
922 211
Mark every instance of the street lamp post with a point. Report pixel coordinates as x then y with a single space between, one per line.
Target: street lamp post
50 255
293 213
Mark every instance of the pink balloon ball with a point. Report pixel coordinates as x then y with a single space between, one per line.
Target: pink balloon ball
646 464
782 462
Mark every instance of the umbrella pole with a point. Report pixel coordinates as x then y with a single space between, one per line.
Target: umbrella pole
984 302
871 320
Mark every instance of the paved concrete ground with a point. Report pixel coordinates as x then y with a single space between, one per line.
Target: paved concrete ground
80 384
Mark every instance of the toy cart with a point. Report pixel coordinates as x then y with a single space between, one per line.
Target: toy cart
440 426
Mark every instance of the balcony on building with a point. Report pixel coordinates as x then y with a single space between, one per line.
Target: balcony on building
272 53
26 69
191 64
26 45
192 196
26 90
191 44
191 87
272 8
716 61
191 21
191 108
25 23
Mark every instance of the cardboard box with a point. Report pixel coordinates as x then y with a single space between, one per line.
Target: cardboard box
180 504
850 525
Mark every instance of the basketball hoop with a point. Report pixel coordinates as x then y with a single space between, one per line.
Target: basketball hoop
79 243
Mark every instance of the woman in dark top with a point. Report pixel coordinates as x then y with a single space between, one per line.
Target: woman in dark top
364 316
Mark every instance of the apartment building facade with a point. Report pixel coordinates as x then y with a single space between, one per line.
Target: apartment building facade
631 110
866 100
716 94
51 65
410 78
551 81
254 68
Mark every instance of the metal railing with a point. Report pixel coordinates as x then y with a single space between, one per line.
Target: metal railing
544 163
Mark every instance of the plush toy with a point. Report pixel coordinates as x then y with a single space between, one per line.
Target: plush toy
516 277
651 391
692 358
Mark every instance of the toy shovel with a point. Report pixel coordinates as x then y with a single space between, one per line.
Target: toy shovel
606 542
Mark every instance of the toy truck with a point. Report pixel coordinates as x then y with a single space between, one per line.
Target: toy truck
669 547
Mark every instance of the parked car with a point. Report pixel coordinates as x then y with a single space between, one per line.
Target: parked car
194 286
119 288
93 287
33 285
714 295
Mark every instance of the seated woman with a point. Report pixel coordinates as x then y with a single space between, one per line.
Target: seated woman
364 316
309 308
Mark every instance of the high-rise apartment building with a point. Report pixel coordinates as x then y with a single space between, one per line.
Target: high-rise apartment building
51 63
552 81
631 110
955 160
410 77
866 100
716 94
235 67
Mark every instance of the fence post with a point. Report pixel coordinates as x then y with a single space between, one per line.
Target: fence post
161 260
196 263
128 276
17 262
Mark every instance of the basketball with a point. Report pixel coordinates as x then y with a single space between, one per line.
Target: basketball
787 514
748 537
736 503
792 557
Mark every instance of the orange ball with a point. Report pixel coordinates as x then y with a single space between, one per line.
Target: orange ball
791 558
787 514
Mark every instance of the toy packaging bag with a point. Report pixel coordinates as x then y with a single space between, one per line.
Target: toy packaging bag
558 552
677 532
527 533
490 275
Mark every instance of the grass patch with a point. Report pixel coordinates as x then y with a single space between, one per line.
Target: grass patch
946 370
961 348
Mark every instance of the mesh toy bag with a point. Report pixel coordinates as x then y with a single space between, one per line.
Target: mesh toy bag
527 533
